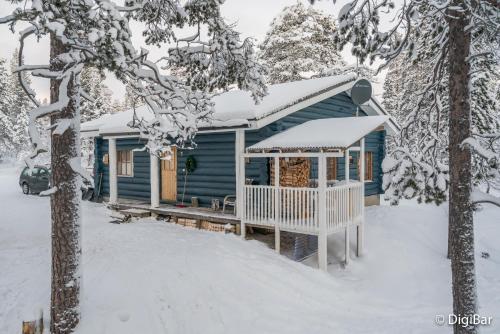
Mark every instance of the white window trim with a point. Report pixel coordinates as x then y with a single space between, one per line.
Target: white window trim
131 163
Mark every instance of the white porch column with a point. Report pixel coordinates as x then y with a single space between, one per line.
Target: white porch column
346 165
277 205
239 150
155 180
347 240
322 235
360 227
113 179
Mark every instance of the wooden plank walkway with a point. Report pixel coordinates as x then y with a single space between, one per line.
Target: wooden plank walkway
187 212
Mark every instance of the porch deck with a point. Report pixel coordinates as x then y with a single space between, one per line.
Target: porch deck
181 212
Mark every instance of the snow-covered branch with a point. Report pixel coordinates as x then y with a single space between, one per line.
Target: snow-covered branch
99 35
479 197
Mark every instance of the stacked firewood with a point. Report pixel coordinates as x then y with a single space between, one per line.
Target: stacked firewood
294 172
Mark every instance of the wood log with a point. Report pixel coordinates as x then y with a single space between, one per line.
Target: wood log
293 173
34 326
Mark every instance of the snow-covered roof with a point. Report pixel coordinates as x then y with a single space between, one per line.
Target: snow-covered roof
328 133
239 104
237 108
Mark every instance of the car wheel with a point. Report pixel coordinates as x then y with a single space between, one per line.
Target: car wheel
26 188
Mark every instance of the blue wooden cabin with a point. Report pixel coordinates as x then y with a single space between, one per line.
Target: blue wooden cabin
236 118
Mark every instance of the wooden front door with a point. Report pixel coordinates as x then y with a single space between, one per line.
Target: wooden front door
169 177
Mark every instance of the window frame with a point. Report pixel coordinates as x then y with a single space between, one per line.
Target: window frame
330 170
118 163
368 179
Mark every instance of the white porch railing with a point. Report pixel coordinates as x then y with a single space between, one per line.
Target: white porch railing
298 208
344 205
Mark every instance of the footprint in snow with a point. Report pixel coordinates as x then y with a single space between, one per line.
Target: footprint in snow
123 316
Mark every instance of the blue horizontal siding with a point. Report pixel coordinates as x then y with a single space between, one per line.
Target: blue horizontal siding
137 186
215 175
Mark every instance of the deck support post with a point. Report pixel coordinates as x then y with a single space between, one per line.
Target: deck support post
277 205
113 178
348 223
360 227
322 235
239 151
155 180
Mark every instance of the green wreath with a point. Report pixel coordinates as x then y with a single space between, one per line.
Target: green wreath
190 164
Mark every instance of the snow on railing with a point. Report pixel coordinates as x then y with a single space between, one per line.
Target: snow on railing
298 208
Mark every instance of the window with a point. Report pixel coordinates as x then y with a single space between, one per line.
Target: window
368 166
124 163
331 167
32 172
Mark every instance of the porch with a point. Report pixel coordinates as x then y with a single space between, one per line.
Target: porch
319 207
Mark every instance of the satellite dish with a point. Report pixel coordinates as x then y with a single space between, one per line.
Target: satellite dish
361 92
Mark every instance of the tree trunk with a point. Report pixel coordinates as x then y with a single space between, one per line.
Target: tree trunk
460 211
65 207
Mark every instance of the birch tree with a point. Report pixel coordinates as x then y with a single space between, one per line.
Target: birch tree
97 33
443 33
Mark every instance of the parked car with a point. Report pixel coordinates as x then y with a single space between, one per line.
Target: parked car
38 180
35 181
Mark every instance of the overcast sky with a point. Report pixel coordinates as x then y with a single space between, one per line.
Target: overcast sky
252 18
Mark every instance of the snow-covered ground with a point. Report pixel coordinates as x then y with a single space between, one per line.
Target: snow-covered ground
155 277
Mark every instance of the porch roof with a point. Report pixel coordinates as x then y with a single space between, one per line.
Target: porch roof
321 134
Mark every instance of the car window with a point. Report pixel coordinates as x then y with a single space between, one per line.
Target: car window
25 171
43 172
34 171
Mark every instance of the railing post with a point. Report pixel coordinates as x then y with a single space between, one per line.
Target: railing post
277 205
347 224
360 227
322 235
242 202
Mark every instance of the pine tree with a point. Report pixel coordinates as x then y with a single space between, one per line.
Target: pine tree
6 127
100 102
131 100
20 105
97 33
97 104
118 106
299 45
403 96
444 35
